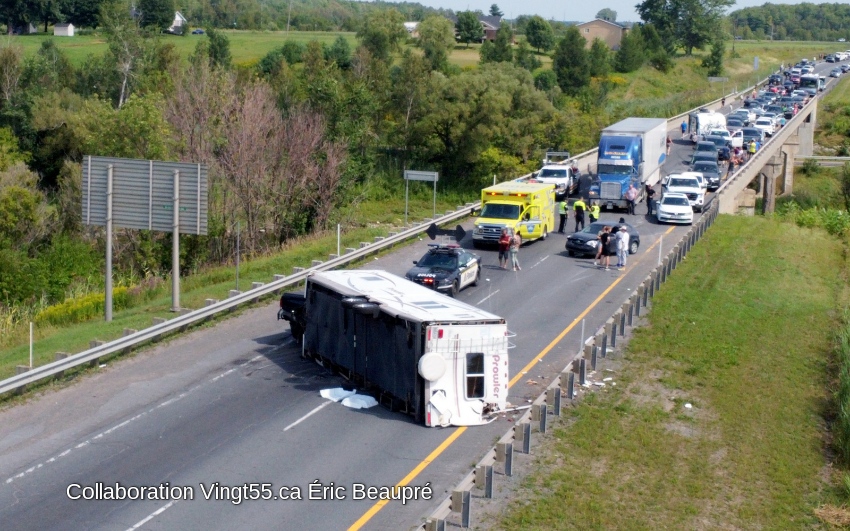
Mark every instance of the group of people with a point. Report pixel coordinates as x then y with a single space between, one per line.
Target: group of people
580 208
509 248
613 241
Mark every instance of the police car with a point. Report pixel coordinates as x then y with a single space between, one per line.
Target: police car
446 268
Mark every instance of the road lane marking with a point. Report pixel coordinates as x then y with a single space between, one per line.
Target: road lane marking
488 296
578 319
128 421
152 515
453 437
409 477
308 415
540 261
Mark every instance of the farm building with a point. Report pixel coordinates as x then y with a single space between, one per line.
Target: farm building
63 30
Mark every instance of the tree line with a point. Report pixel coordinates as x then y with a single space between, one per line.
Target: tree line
798 22
308 130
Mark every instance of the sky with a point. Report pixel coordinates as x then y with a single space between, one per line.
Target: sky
580 10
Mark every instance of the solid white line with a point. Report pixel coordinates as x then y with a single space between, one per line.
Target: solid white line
152 515
302 419
488 296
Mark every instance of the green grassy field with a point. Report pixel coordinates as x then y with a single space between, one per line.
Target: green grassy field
743 331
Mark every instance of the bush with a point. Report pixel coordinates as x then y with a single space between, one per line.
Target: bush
83 308
842 395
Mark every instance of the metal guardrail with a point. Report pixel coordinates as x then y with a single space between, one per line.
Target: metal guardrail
92 355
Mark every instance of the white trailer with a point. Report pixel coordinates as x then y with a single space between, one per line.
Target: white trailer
702 122
421 352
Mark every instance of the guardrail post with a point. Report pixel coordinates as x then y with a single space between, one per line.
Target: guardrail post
364 244
460 504
522 435
20 369
603 341
296 270
60 356
505 454
623 311
568 380
634 302
435 525
553 398
640 294
484 479
158 320
613 329
539 414
582 371
335 256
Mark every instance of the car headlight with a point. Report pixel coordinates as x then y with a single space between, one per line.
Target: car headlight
593 243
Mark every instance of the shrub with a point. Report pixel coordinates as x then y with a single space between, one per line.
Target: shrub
83 308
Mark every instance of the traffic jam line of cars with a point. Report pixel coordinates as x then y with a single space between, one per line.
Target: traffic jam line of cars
718 138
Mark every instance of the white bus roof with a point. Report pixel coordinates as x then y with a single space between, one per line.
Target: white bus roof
401 298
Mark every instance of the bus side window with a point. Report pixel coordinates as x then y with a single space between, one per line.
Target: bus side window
475 375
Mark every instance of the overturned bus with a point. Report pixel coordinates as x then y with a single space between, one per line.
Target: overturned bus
441 360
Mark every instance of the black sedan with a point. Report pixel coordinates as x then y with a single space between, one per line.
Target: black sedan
446 268
711 171
584 243
722 145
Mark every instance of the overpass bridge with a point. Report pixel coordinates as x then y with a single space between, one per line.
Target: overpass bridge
773 165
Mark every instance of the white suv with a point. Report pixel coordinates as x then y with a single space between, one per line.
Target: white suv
685 184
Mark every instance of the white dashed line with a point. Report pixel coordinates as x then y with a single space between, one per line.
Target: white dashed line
488 296
128 421
305 417
153 514
539 262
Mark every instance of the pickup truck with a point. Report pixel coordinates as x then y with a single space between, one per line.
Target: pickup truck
564 174
687 185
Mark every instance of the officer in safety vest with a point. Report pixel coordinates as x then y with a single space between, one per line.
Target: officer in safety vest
594 212
579 208
562 211
751 149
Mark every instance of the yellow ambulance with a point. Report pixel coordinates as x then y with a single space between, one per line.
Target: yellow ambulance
522 207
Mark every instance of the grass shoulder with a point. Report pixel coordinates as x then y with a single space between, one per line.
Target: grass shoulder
742 331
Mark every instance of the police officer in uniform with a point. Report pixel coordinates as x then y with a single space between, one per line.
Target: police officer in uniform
562 211
579 208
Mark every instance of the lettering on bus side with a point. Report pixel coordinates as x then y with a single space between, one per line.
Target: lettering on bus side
495 371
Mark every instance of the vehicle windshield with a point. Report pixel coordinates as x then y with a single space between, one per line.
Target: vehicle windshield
718 141
594 228
552 172
440 260
677 182
706 146
705 166
500 211
677 201
612 169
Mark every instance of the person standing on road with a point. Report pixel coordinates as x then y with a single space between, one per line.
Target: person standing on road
669 143
594 212
578 211
684 127
504 246
622 247
516 241
603 236
650 195
631 196
751 149
562 211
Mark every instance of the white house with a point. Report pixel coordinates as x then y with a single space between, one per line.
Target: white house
63 30
178 24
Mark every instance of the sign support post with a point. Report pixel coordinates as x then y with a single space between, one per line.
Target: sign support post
411 175
175 247
107 302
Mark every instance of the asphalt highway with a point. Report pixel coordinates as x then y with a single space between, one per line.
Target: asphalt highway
227 413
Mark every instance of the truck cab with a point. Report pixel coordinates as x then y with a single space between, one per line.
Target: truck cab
524 208
618 166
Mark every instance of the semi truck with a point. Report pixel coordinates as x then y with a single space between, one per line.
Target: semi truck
630 152
436 358
524 208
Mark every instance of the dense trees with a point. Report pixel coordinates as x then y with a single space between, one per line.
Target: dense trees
686 23
156 14
607 14
571 62
806 21
436 38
